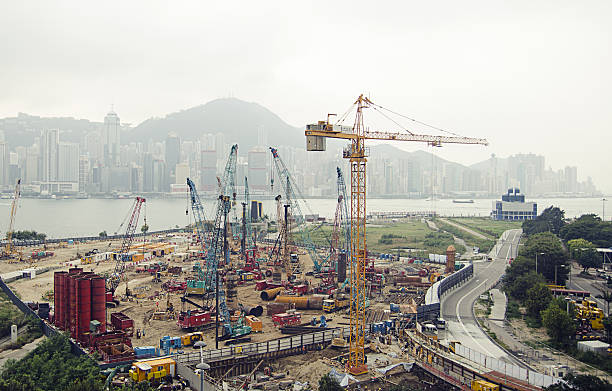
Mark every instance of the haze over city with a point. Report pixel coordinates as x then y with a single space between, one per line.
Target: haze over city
529 77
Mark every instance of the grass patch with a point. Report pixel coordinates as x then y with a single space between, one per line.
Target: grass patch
485 245
486 226
387 238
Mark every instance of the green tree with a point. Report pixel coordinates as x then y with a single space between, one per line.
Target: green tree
144 229
518 289
51 366
559 324
552 220
607 322
591 228
103 234
328 383
538 298
584 252
551 254
580 383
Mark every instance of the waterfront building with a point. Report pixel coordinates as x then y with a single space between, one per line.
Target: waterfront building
513 207
258 169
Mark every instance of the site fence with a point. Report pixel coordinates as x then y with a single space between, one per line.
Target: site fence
46 328
88 238
506 369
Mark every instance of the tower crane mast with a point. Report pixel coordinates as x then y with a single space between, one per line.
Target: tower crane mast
9 249
113 281
357 153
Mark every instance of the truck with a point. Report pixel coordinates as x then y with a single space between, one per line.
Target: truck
332 305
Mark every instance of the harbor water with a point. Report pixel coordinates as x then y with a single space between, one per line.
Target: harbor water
82 217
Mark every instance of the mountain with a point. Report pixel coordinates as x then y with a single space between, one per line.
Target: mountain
21 130
238 120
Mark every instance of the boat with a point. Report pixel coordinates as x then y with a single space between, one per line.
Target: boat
463 201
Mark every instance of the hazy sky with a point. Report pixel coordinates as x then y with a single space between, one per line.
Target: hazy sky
531 76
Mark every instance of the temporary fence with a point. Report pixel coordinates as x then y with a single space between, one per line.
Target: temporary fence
505 368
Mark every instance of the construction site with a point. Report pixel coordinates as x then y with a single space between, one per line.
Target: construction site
216 285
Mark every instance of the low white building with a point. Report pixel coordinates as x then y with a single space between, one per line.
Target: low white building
513 207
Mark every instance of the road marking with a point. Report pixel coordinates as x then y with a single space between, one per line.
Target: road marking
463 325
594 298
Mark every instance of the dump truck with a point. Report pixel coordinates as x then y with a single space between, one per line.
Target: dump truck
331 305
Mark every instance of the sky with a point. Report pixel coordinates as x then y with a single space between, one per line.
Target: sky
530 76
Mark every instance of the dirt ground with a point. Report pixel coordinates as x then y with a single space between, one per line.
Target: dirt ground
140 310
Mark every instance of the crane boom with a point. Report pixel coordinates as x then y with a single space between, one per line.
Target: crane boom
357 153
128 238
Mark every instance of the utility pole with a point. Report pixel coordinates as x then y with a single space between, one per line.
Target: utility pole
603 209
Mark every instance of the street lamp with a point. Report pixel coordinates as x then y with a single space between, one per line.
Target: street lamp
556 272
201 345
202 367
537 261
603 209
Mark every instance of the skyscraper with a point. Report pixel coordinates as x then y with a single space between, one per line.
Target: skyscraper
173 151
112 139
258 169
68 162
49 153
4 164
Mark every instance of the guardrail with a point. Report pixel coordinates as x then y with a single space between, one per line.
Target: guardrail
431 309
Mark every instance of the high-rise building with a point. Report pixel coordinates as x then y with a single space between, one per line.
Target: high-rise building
208 170
173 151
258 169
571 179
84 169
49 154
181 173
4 164
147 172
31 165
68 162
111 139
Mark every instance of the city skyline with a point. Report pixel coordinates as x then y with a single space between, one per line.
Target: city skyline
101 164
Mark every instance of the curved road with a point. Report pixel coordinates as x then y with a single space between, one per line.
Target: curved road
456 306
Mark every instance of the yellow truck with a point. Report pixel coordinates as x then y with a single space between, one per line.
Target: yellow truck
482 385
331 305
191 338
153 370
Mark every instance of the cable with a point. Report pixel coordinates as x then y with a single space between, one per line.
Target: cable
392 120
417 121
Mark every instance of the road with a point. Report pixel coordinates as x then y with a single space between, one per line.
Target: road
456 307
593 285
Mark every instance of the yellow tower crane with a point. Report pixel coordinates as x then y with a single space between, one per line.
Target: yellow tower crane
356 152
9 249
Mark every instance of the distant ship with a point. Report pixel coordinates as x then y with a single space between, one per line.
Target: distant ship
463 201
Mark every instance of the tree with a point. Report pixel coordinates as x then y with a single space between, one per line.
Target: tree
518 289
580 383
550 253
584 252
538 298
607 322
591 228
328 383
144 229
103 234
559 325
552 220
